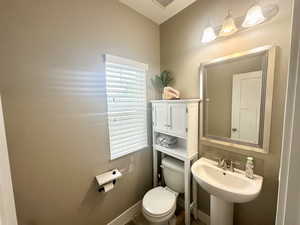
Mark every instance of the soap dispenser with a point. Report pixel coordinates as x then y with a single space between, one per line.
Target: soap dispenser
249 168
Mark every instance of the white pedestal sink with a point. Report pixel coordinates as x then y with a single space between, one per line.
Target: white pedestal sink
226 188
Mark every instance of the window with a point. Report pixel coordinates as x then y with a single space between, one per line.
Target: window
126 105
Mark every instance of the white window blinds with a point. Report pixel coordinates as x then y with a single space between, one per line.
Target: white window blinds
126 105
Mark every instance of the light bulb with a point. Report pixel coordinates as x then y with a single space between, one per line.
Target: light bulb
208 35
228 26
254 16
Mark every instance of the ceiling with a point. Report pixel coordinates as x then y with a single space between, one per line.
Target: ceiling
158 10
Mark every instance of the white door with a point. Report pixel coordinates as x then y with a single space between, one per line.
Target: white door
246 103
177 119
7 203
160 117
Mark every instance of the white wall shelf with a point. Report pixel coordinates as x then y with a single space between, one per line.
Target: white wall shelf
169 133
178 152
178 118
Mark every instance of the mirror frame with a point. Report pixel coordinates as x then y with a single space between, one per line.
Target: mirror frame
270 52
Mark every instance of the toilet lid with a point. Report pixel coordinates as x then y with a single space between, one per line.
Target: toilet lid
159 201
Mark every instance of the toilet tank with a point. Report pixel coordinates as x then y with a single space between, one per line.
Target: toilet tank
173 172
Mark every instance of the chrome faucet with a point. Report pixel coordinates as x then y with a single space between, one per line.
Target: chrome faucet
232 165
226 164
221 162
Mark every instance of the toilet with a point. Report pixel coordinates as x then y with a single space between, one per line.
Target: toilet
159 204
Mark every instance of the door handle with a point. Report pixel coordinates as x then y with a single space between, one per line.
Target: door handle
234 129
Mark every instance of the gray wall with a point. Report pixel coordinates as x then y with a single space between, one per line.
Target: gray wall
54 105
182 52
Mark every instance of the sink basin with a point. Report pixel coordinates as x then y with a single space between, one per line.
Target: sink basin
230 186
225 188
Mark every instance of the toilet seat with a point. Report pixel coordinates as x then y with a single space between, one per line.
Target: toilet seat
159 202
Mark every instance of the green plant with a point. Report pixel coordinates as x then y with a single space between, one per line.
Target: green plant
163 80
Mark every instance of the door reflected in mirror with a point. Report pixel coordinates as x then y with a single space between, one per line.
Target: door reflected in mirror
246 103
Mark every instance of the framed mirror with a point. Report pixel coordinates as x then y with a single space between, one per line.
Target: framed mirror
236 106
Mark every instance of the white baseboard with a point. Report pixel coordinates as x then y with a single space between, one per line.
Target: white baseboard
203 217
128 215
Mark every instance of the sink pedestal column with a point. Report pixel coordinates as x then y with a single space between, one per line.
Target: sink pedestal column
221 212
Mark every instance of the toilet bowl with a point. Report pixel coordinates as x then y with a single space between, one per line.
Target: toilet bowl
159 204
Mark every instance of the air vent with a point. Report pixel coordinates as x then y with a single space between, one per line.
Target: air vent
163 3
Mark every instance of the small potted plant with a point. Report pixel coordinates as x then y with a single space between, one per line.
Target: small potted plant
161 81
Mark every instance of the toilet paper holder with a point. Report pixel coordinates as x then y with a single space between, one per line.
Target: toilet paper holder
107 177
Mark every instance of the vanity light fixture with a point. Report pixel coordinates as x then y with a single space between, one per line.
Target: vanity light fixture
208 35
254 16
228 26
